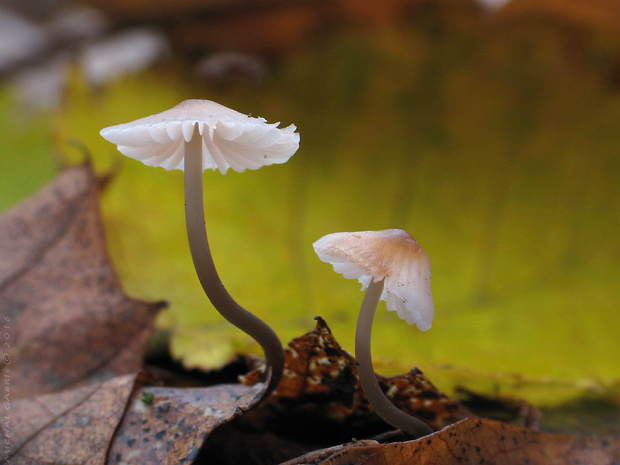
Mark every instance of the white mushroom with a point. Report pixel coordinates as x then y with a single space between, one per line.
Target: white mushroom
228 139
193 136
392 267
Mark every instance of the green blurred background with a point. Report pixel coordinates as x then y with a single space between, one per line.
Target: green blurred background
490 134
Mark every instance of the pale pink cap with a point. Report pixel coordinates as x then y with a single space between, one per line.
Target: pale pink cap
229 139
391 255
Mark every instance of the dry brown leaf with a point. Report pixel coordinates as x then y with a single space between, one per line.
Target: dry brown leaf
59 294
320 384
169 425
72 426
479 441
77 343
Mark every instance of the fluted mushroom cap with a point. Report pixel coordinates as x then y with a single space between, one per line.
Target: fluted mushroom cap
229 139
391 255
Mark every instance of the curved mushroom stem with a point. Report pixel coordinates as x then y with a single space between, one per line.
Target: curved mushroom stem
205 268
368 379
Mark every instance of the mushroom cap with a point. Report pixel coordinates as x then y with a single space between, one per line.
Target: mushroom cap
392 256
229 139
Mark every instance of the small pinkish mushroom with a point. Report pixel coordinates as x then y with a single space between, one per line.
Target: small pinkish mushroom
193 136
392 267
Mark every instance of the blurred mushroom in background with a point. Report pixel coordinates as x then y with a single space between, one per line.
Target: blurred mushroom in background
20 40
124 53
224 68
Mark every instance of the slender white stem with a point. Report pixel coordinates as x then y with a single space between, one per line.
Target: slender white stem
368 379
207 273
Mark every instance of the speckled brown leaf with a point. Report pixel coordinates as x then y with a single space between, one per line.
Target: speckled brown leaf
478 441
320 384
73 426
169 425
60 300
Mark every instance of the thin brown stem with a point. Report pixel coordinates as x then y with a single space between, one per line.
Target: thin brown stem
368 379
207 273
